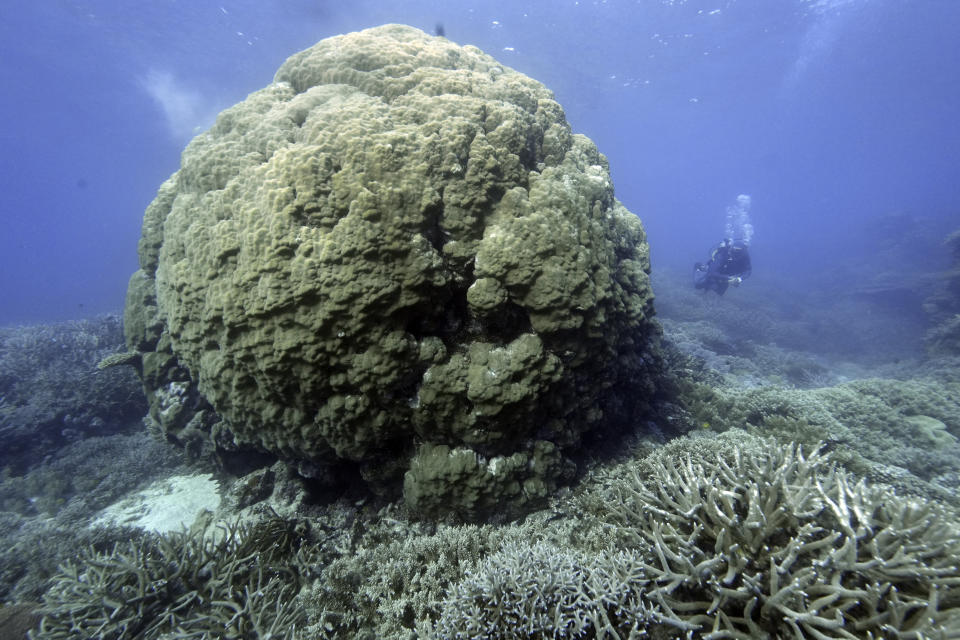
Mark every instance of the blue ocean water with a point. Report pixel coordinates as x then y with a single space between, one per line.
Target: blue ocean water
832 115
822 133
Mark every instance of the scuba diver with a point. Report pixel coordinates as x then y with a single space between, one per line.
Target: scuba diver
729 264
729 261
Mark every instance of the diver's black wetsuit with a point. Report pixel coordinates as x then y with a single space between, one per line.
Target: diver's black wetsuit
729 264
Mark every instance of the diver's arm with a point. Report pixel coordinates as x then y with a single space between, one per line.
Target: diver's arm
744 273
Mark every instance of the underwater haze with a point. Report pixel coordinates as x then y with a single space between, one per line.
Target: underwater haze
395 364
838 118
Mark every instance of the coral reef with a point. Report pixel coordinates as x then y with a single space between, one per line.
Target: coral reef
51 392
821 320
943 306
773 543
236 582
751 541
672 543
878 421
387 582
89 473
34 548
43 515
442 481
945 337
17 619
541 590
934 431
709 536
396 263
399 240
890 414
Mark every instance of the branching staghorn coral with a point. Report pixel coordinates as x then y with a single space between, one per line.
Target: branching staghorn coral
776 544
541 590
237 583
751 541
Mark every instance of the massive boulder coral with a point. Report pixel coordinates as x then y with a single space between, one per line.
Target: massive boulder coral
397 242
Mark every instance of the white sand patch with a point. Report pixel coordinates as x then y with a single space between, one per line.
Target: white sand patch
166 505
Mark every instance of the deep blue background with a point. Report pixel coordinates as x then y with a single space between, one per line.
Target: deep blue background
830 114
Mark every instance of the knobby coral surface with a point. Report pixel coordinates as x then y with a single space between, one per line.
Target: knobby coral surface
397 240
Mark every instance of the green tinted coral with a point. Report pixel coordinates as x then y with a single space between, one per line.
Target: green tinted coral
398 239
458 482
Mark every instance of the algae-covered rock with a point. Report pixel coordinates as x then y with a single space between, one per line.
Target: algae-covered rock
397 240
